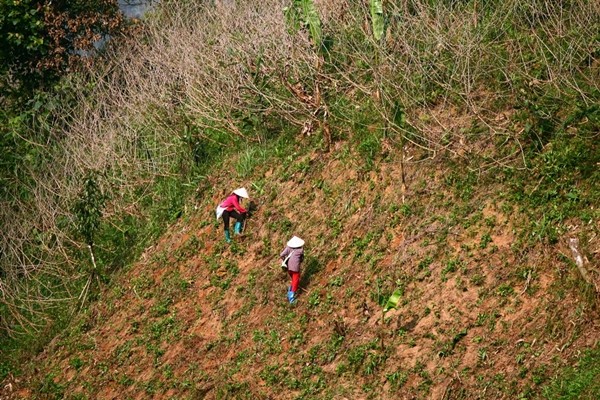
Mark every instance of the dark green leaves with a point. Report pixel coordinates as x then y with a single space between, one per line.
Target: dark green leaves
88 209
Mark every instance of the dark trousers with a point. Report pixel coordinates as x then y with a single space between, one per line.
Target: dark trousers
226 214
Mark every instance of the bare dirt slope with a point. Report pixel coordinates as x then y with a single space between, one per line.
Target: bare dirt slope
485 312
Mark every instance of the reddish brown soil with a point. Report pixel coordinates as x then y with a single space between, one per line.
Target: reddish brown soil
480 330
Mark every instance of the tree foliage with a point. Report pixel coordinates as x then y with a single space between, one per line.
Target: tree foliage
41 40
88 209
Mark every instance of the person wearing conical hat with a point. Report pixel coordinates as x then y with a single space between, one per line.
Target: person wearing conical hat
230 207
291 258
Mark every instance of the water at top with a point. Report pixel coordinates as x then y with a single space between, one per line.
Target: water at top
131 9
136 8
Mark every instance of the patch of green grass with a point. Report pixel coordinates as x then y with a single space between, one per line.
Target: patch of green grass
152 386
365 357
426 381
397 379
451 266
281 224
336 226
125 380
164 329
175 285
189 248
356 357
332 348
337 281
477 279
5 369
123 352
487 318
77 396
505 290
51 389
76 363
314 299
361 244
272 375
222 279
142 286
581 381
374 362
267 342
424 263
463 183
249 160
156 351
161 307
485 240
312 380
559 183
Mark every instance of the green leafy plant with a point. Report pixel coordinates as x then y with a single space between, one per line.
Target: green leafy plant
76 363
581 381
451 266
485 240
314 299
304 13
377 20
39 39
505 290
5 369
393 300
397 379
88 209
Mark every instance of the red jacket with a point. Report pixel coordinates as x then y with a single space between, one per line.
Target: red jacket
231 203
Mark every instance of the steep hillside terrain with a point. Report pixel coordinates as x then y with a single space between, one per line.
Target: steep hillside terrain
440 158
486 311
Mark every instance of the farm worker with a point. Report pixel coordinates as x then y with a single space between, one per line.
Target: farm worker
291 258
230 207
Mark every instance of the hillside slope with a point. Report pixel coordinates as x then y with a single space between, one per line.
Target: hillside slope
485 311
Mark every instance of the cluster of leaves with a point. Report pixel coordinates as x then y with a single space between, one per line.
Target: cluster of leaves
41 40
89 209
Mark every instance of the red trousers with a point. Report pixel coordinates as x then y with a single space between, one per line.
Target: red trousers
295 280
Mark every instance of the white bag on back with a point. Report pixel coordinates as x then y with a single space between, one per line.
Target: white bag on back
284 262
219 212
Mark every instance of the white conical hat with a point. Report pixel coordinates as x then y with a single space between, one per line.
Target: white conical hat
242 192
295 242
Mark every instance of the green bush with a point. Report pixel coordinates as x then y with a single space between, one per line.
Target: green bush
581 381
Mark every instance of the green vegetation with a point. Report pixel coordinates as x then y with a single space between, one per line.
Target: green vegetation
41 40
578 382
437 154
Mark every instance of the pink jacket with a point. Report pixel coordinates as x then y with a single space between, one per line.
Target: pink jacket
231 203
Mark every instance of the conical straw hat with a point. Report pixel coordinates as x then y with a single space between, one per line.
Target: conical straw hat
242 192
295 242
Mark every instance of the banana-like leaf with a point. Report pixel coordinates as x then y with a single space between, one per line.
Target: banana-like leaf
393 300
311 19
377 20
292 19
